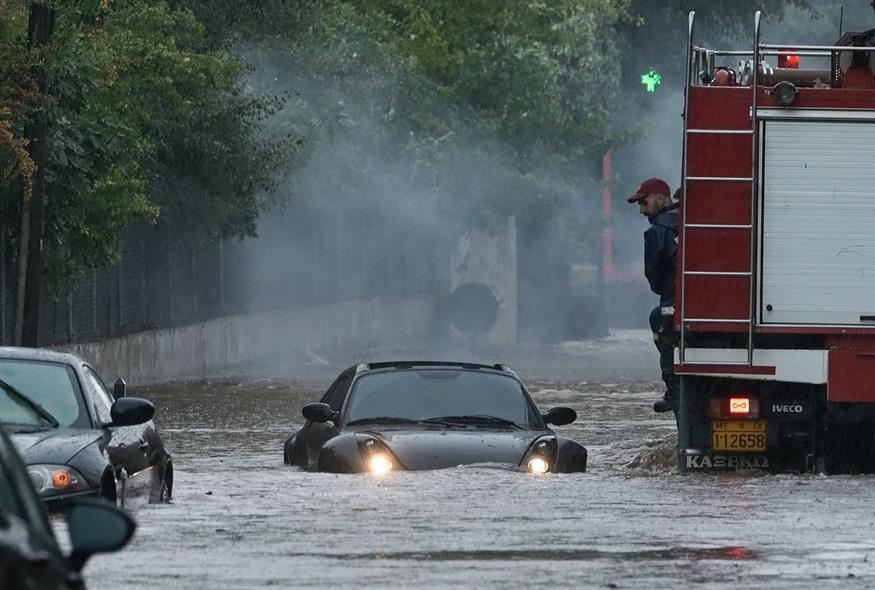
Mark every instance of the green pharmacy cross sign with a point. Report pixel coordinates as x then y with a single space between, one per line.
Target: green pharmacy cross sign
651 80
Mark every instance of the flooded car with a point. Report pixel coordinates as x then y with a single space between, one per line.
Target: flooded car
382 417
30 555
76 438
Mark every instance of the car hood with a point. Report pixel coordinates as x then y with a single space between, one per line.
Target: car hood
55 446
440 449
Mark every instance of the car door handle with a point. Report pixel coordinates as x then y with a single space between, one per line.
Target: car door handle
144 445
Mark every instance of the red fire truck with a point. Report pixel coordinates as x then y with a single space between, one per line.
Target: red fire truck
776 264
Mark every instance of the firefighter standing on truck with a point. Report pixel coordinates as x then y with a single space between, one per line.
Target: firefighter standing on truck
660 257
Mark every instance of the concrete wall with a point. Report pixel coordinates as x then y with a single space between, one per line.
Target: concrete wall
490 258
219 345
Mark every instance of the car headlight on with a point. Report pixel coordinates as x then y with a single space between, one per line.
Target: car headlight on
380 463
538 465
56 479
376 457
541 455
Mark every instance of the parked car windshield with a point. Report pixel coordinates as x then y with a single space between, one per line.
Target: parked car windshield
436 393
52 385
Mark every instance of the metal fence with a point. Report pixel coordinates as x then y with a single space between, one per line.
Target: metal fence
161 280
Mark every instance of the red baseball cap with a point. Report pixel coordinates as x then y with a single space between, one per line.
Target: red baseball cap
651 186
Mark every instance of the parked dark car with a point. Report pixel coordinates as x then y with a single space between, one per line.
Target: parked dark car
30 557
382 417
76 438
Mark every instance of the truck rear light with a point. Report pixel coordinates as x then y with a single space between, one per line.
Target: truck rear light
739 407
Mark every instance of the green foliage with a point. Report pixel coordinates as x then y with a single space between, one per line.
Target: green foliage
190 106
226 21
148 121
480 109
483 110
17 95
538 73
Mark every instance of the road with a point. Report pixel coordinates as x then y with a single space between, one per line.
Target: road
241 519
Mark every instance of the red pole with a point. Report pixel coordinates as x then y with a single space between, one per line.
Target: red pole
608 273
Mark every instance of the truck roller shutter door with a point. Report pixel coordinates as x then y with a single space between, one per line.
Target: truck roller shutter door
818 223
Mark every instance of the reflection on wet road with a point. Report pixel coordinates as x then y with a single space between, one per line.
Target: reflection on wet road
241 519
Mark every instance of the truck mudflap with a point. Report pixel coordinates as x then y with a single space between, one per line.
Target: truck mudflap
708 460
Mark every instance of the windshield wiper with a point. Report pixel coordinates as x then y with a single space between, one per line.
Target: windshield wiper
398 420
25 402
478 419
383 420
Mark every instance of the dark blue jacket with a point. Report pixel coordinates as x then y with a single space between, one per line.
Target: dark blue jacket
660 253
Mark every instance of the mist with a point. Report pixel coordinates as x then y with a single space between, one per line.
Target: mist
358 218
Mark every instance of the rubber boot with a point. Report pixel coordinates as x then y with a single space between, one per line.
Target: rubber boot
668 403
665 338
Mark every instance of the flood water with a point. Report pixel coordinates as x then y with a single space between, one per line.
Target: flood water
242 519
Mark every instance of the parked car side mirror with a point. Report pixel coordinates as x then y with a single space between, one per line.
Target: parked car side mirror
560 416
129 411
96 527
120 389
318 412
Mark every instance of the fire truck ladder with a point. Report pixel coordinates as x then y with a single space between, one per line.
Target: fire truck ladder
696 58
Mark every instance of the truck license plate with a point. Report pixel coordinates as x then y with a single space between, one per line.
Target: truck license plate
745 436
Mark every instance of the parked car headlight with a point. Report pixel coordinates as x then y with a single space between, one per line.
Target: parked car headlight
56 479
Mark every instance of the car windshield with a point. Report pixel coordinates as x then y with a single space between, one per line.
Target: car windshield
440 393
51 385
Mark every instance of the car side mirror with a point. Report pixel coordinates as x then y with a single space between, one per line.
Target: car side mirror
560 416
120 389
130 411
96 527
318 412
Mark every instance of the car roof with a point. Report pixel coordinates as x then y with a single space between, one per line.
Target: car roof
39 354
405 365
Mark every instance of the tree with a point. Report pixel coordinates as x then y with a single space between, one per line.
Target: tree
146 121
486 111
16 93
168 126
41 22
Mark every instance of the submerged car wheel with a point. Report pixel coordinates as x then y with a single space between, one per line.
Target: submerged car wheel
107 491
